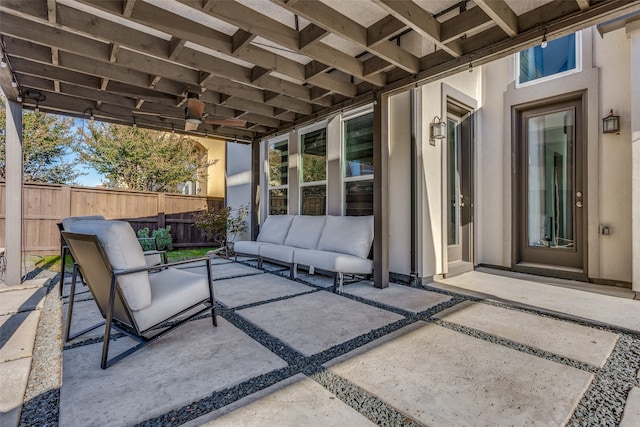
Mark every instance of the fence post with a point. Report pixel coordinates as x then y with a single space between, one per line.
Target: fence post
161 208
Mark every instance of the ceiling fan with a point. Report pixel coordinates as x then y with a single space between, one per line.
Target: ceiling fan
194 115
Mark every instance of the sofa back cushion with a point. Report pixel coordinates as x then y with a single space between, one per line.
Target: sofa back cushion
305 231
66 222
123 251
274 229
352 235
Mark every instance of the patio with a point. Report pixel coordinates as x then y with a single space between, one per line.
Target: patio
483 348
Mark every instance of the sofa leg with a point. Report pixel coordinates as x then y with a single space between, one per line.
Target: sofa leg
293 271
338 282
260 262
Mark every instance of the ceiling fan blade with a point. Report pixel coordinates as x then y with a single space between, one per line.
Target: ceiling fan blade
148 113
190 126
227 122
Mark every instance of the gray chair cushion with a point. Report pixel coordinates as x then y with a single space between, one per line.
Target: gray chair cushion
333 261
123 251
247 247
277 252
274 229
351 235
66 222
305 231
172 291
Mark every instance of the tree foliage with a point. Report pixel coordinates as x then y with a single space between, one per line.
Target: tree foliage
47 142
142 159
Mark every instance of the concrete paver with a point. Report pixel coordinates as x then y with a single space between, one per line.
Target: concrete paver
13 382
581 343
15 301
302 403
631 415
243 290
606 309
178 369
17 335
315 322
225 270
441 377
403 297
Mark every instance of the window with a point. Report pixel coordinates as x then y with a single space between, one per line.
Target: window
561 56
313 186
278 177
358 165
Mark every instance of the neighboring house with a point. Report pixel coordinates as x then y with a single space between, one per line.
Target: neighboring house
525 178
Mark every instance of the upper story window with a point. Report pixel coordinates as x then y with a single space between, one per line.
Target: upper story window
561 56
313 177
358 165
278 177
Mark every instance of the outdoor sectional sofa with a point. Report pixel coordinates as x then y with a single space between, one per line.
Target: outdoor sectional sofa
336 244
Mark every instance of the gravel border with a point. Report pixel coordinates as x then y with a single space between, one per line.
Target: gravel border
42 395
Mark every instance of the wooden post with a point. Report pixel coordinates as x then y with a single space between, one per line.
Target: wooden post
13 191
161 210
380 199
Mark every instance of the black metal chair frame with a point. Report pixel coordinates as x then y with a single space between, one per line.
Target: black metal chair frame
117 301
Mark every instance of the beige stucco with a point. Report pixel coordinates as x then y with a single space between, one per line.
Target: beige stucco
216 151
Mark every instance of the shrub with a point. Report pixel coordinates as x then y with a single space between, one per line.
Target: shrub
146 242
164 240
223 225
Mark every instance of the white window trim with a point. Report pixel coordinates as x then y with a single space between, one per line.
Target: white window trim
271 142
577 69
367 109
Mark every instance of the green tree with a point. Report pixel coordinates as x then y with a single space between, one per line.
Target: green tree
142 159
47 142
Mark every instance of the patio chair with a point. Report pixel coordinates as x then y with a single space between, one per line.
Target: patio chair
132 298
152 257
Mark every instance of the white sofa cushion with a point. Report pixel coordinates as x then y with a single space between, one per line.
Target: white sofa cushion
333 261
305 231
172 291
66 222
247 247
351 235
277 252
274 229
123 251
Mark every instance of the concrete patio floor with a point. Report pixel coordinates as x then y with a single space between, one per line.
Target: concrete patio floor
477 349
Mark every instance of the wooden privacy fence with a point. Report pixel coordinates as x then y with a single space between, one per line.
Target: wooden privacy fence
44 205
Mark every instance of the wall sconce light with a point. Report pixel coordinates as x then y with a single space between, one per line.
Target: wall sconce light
611 123
438 130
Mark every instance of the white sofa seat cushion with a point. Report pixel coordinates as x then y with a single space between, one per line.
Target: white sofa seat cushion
351 235
247 247
66 222
172 291
274 229
123 251
277 252
305 231
333 261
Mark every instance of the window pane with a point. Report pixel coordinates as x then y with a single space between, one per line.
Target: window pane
358 146
557 57
358 198
314 200
278 163
278 202
314 156
550 189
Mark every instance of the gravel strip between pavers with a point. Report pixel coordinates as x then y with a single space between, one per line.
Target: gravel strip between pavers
42 395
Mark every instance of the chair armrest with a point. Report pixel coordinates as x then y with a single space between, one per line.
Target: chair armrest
155 267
